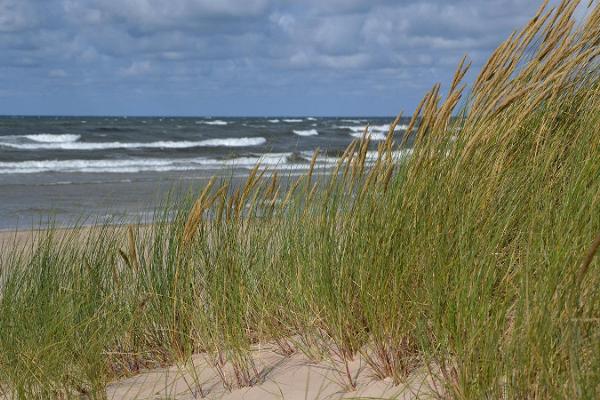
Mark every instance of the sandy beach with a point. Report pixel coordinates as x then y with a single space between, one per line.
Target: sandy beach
293 377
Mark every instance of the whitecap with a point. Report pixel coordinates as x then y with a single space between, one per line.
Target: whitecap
223 142
310 132
372 128
273 160
352 128
217 122
292 120
49 138
373 135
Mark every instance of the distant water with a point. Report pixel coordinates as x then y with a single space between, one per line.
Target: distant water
107 167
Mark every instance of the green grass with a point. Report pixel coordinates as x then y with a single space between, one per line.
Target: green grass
468 257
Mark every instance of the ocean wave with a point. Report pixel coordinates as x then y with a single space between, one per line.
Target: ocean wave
361 128
113 129
270 160
311 119
292 120
215 122
232 142
370 157
50 138
351 128
375 130
273 121
225 142
374 135
310 132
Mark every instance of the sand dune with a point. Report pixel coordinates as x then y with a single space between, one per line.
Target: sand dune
294 377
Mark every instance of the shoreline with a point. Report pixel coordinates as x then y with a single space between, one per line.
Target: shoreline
110 201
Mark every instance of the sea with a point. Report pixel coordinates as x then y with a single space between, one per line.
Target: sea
81 170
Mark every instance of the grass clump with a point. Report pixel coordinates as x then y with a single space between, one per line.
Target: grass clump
474 256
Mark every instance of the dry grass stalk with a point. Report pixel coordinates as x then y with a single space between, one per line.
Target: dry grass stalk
291 191
195 216
133 256
313 162
350 158
389 139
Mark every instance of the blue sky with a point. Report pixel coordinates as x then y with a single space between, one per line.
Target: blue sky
240 57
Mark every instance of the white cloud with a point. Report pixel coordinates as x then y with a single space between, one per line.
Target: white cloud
244 46
160 14
16 15
286 22
338 33
136 68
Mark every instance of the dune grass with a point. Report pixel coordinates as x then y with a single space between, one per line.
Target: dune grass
474 256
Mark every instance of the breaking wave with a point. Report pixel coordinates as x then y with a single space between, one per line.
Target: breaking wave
225 142
310 132
215 122
49 138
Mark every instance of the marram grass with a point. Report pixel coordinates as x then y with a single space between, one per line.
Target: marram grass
474 257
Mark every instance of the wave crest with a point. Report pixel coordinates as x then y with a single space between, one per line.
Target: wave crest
225 142
309 132
217 122
50 138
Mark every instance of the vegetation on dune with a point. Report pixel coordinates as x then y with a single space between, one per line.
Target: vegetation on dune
474 256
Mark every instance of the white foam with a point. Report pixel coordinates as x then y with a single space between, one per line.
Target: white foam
49 138
225 142
292 120
25 167
397 155
215 122
310 132
273 160
352 128
372 128
274 121
232 142
311 118
374 135
371 157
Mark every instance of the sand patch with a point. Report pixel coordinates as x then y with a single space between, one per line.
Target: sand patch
292 377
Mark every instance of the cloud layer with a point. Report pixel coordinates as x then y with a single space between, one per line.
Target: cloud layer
239 57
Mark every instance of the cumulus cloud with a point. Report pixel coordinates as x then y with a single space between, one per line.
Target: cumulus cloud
237 55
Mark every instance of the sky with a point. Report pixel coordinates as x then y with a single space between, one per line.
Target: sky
240 57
